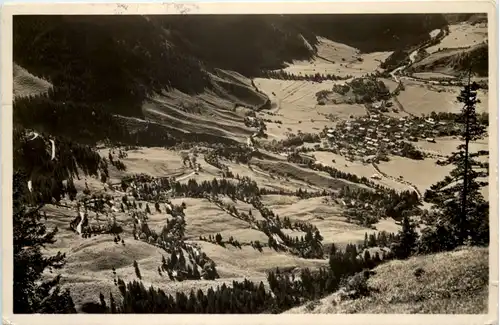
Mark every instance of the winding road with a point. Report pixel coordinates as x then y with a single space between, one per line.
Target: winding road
412 57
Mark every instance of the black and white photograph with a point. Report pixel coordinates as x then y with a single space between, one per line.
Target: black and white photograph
270 163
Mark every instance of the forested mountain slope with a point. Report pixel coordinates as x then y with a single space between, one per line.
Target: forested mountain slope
115 63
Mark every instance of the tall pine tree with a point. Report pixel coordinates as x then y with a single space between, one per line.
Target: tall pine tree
461 212
406 242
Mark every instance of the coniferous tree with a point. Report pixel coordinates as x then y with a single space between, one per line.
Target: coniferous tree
372 240
196 273
173 259
461 212
367 259
163 262
407 240
112 304
102 301
182 259
137 271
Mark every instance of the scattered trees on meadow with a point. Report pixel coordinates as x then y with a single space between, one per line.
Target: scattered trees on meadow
39 180
286 290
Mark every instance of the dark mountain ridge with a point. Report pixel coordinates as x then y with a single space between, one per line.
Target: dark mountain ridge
112 64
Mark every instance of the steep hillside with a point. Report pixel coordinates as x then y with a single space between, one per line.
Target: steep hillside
451 282
456 61
244 43
374 32
187 73
473 18
118 61
26 84
113 61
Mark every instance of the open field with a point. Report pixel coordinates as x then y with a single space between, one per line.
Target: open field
418 98
339 59
88 270
356 168
446 145
319 179
450 61
268 179
421 173
157 162
326 217
296 108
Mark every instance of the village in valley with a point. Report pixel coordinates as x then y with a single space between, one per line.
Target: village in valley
284 190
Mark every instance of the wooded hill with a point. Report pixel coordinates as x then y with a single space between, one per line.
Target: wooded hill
113 63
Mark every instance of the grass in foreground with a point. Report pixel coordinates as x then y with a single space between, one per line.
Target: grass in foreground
451 283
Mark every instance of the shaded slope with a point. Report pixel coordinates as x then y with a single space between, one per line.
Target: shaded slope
374 32
244 43
456 61
111 60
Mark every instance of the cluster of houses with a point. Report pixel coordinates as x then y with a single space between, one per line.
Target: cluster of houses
382 106
377 135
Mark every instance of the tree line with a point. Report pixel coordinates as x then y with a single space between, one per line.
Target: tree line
284 75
